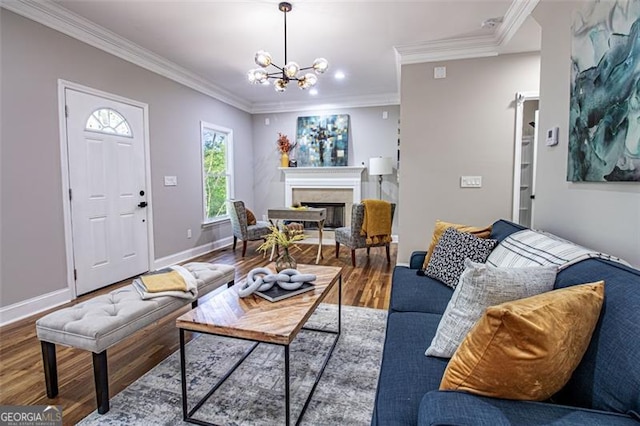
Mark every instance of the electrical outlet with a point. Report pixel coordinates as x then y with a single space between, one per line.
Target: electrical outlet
170 180
188 233
470 181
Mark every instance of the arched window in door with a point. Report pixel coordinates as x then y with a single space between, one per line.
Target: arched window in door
109 121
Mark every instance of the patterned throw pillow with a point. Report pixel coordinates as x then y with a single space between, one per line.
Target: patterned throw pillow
447 261
440 227
482 285
251 218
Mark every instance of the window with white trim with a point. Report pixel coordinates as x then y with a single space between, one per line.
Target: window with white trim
217 170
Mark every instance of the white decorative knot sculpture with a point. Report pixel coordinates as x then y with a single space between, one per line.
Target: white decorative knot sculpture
262 279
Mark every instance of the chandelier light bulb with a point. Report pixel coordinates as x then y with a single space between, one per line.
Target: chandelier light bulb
263 58
251 76
291 69
280 85
311 79
320 65
260 75
302 83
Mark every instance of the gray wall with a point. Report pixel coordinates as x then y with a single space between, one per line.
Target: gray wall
603 216
33 58
370 136
461 125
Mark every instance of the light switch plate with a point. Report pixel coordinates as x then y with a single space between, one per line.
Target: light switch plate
470 181
170 180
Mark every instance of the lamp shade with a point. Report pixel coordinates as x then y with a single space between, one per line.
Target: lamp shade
380 166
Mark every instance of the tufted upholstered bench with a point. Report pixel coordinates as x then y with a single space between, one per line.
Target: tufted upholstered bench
99 323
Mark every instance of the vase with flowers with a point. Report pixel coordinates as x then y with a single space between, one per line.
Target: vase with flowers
284 147
285 238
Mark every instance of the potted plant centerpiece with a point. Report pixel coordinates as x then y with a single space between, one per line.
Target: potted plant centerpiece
285 238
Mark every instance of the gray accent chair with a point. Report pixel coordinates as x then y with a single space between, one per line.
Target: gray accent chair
243 231
350 235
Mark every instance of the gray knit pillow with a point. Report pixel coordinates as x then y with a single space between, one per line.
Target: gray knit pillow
447 261
480 286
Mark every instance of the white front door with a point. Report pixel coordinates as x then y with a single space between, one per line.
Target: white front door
108 190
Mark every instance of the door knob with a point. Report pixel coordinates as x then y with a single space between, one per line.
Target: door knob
142 204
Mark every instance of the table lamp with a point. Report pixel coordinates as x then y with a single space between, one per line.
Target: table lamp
380 166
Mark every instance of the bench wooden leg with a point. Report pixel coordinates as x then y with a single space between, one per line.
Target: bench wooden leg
194 304
101 379
50 368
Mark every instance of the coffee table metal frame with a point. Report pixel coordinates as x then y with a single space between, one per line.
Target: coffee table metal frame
187 414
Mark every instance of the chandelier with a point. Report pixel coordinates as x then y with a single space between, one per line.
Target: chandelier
291 71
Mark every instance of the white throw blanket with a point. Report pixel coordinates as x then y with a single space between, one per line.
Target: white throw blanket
536 248
192 286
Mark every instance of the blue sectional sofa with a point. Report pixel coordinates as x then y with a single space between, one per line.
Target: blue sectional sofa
604 389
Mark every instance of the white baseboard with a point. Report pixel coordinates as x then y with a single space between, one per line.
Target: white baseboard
191 253
26 308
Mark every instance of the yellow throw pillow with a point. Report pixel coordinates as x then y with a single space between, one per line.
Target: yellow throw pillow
527 349
442 226
251 218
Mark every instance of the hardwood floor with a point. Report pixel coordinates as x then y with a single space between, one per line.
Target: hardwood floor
21 372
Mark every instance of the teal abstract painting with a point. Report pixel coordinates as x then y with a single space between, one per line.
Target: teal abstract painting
323 141
604 118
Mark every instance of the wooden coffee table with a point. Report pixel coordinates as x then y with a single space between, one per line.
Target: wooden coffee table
253 318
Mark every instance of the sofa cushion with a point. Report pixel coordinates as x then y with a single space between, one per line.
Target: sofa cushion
608 378
413 293
501 229
440 227
447 262
406 374
462 409
480 286
527 349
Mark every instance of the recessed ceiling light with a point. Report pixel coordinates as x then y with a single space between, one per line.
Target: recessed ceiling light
339 75
313 92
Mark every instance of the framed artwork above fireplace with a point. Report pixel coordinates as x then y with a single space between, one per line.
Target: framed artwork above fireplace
323 141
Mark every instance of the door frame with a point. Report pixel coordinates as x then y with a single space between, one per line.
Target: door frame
64 167
521 97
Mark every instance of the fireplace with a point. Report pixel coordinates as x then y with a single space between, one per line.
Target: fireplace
335 215
325 185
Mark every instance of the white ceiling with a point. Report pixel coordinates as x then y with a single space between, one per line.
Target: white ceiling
215 41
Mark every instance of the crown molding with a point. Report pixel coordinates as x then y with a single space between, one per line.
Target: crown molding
60 19
442 50
469 47
328 104
513 19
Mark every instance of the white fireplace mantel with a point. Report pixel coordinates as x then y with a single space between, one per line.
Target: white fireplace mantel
345 177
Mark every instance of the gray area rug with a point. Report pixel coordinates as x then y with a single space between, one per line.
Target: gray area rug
254 394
